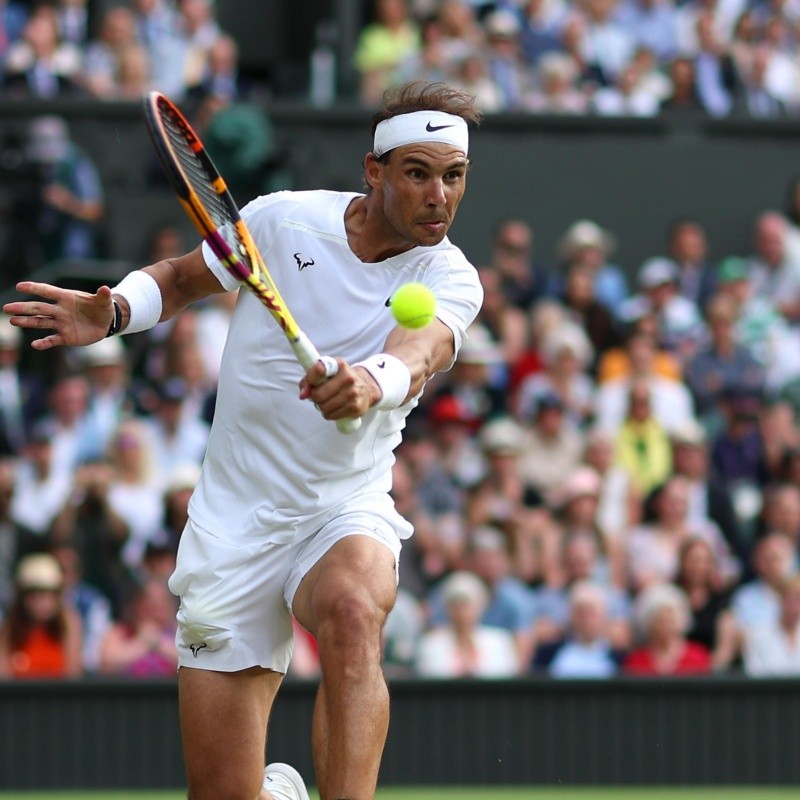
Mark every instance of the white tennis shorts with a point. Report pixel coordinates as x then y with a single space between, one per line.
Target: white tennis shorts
236 599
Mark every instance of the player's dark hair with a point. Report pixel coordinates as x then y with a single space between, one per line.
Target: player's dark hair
422 96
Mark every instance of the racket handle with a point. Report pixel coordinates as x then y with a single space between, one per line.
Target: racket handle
308 355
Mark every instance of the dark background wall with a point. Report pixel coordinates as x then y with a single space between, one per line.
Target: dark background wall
108 734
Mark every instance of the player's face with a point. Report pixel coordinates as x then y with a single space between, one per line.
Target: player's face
422 185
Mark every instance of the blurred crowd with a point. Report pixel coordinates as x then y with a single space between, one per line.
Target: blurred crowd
117 51
609 57
606 482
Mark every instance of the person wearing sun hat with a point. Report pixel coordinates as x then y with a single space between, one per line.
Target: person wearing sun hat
41 637
585 242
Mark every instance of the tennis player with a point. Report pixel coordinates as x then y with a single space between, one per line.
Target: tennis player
291 516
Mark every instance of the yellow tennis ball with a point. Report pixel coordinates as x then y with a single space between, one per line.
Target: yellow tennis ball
413 305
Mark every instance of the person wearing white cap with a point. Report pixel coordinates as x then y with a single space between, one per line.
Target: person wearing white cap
586 243
290 516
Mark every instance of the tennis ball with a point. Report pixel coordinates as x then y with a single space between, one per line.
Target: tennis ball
413 305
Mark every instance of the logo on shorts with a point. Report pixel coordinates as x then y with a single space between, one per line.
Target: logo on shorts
196 648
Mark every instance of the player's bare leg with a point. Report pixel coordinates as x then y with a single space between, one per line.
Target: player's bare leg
344 601
224 719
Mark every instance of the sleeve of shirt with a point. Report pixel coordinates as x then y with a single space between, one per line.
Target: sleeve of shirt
459 296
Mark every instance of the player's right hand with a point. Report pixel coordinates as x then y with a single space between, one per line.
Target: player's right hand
78 318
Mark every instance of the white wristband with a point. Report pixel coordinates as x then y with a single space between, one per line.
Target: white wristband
144 300
393 377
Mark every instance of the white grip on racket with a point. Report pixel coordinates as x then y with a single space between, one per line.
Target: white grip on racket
308 355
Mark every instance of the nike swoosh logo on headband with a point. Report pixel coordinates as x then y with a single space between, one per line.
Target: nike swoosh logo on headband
431 128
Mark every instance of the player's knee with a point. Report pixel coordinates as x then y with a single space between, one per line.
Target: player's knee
351 620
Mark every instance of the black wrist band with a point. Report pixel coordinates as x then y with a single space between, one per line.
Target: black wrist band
116 323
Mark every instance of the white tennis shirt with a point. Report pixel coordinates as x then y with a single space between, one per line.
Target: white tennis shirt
274 467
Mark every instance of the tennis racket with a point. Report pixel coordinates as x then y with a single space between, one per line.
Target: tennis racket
208 203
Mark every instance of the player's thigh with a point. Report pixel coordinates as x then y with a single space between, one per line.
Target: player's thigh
224 719
357 571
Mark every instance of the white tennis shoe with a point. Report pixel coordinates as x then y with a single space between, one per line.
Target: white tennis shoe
284 782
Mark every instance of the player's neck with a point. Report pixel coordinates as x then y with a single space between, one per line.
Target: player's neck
369 234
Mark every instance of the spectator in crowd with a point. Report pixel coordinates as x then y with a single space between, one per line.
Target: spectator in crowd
40 64
619 503
499 496
672 404
627 96
21 393
654 547
709 498
180 484
585 652
687 246
780 511
110 393
133 493
556 89
158 30
103 61
198 31
712 624
553 446
510 604
142 644
523 280
575 504
722 364
566 353
463 646
652 24
583 307
13 16
220 77
479 377
506 324
382 46
93 607
16 541
581 563
88 523
738 454
174 437
756 603
504 61
72 201
462 34
73 21
42 487
472 75
684 97
585 242
606 45
774 274
714 67
41 636
678 320
642 443
663 618
773 648
760 327
756 97
542 24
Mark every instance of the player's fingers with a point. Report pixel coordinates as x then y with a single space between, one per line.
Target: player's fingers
330 365
34 321
45 290
48 342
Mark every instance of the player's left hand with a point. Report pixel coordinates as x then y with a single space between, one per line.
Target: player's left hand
347 394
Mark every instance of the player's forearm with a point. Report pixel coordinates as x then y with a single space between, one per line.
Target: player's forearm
424 352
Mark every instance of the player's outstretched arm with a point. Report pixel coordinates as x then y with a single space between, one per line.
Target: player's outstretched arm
75 318
80 318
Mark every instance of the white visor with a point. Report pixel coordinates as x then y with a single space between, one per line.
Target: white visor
421 126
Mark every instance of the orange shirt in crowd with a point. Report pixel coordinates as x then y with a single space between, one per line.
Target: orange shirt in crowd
42 656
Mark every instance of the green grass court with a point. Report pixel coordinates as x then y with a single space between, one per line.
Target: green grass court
473 793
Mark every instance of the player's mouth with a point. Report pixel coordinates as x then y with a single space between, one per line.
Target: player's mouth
434 225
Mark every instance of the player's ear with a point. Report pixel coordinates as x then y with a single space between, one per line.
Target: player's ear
373 171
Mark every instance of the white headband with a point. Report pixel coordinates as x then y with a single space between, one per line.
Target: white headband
421 126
